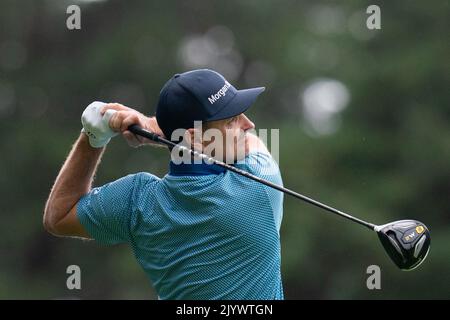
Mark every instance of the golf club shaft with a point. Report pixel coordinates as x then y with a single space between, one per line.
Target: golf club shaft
154 137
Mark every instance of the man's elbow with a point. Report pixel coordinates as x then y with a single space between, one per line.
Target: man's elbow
50 223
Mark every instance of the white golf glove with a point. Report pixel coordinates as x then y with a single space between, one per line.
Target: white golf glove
96 126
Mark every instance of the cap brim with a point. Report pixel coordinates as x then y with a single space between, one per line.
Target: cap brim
239 104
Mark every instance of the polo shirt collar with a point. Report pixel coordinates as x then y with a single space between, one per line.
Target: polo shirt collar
194 169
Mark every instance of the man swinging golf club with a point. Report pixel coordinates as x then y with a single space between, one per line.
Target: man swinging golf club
204 231
200 232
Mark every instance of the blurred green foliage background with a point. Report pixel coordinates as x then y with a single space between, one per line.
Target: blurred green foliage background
364 119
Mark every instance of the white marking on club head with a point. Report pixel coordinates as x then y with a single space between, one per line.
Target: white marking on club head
403 224
419 246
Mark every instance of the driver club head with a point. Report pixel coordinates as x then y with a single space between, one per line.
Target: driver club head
407 242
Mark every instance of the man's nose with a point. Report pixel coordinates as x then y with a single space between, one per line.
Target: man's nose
246 123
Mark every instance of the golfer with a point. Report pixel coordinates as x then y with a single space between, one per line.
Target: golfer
201 231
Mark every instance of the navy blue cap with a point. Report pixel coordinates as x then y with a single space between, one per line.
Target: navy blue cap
200 95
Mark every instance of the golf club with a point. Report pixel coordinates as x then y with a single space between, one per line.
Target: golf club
407 242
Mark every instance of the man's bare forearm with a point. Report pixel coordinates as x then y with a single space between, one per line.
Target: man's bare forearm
74 180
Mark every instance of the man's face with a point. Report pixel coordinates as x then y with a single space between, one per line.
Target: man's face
233 131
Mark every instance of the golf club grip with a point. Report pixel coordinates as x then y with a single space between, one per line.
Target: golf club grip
150 135
136 129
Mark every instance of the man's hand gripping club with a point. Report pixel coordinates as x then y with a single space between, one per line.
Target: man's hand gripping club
102 121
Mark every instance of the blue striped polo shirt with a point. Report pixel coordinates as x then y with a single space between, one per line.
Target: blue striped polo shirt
200 232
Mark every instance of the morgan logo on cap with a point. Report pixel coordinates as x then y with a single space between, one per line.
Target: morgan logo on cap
221 93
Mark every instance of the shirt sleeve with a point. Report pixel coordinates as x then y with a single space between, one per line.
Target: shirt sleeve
106 212
263 165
